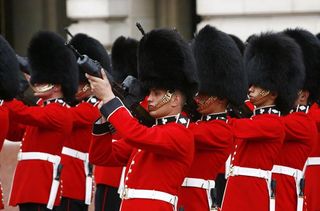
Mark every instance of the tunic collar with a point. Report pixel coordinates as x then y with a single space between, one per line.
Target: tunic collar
92 100
180 119
266 110
54 100
214 116
301 108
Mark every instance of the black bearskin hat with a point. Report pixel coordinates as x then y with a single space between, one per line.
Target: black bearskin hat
318 36
166 61
220 66
124 58
238 42
310 47
9 69
53 62
274 62
93 49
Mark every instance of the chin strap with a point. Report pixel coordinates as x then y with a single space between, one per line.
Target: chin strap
42 88
202 104
84 89
261 95
165 99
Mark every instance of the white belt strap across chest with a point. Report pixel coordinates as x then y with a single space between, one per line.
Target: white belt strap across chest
129 193
121 183
55 160
88 172
227 167
313 161
258 173
200 183
297 175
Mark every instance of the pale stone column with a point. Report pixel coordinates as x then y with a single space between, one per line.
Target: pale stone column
105 20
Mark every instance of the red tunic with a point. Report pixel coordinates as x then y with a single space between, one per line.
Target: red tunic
4 119
110 176
47 127
258 142
107 175
312 184
301 133
158 158
73 174
213 144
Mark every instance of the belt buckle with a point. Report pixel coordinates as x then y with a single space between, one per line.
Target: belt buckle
210 185
19 157
231 171
124 194
206 184
174 201
77 155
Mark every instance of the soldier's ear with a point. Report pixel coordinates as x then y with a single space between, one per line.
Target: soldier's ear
303 96
57 88
177 99
274 95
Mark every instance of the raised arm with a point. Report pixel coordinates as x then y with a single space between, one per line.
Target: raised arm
84 114
261 128
215 134
49 116
169 140
104 151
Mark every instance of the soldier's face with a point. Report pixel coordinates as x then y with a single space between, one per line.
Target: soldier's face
303 97
260 97
157 105
204 103
83 91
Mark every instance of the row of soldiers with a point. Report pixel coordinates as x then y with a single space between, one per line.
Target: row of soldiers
271 159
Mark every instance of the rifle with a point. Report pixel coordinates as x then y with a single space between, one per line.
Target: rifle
23 64
24 93
131 99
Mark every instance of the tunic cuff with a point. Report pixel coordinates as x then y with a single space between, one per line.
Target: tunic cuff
101 128
110 107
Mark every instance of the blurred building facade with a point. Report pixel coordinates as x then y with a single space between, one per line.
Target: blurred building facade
102 19
108 19
246 17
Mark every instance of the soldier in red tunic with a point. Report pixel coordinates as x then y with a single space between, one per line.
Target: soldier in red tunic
9 86
222 80
301 132
124 63
273 62
312 166
157 158
77 175
54 75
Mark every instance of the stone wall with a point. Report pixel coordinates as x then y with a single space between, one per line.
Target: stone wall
246 17
105 20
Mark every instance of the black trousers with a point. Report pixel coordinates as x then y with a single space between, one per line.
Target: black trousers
220 186
68 204
107 198
33 207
